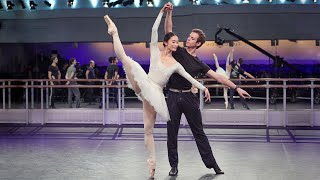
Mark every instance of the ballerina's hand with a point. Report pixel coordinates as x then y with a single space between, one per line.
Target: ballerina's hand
207 95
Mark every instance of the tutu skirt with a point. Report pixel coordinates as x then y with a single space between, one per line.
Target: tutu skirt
150 91
222 72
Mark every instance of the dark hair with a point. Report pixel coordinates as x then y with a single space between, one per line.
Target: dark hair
71 61
240 61
168 36
112 59
53 58
202 36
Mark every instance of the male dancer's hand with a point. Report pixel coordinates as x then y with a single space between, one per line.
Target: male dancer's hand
170 6
243 93
194 90
166 7
207 95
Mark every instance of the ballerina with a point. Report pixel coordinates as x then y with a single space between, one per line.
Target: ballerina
225 73
149 87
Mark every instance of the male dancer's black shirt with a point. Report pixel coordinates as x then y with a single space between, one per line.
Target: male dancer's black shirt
236 70
193 65
92 74
54 72
112 69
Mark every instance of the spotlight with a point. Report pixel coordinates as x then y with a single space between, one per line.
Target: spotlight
270 1
33 5
193 2
128 2
105 3
149 3
22 4
10 5
47 3
245 1
70 3
314 1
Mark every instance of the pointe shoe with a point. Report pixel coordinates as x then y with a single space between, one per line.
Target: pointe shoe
152 168
112 29
226 104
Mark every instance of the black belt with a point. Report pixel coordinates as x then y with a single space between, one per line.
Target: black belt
179 91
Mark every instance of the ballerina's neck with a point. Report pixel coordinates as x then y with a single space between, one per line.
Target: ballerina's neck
167 54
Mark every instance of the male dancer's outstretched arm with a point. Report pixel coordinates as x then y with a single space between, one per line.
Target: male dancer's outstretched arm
210 73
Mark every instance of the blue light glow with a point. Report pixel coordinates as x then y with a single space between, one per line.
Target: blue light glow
53 3
156 3
136 3
176 2
94 3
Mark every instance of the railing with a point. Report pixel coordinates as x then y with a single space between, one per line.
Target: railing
29 86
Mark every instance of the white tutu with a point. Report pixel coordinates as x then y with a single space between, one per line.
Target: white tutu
150 91
222 72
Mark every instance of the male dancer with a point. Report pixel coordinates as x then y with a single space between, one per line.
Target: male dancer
90 74
112 73
181 100
236 71
71 74
53 73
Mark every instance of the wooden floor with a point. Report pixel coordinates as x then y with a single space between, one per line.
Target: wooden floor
100 152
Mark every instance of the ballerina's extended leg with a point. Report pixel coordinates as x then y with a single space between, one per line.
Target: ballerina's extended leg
120 53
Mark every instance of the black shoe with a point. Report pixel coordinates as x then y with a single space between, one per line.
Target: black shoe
217 169
232 107
246 107
173 171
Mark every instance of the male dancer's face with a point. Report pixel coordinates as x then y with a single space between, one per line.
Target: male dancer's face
55 60
192 40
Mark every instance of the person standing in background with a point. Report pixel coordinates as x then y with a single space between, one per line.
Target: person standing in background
71 74
53 73
236 71
90 74
112 73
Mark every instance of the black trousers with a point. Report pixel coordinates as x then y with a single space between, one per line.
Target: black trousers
232 91
188 104
52 96
90 93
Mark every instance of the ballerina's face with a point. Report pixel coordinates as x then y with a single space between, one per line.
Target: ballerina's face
172 43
